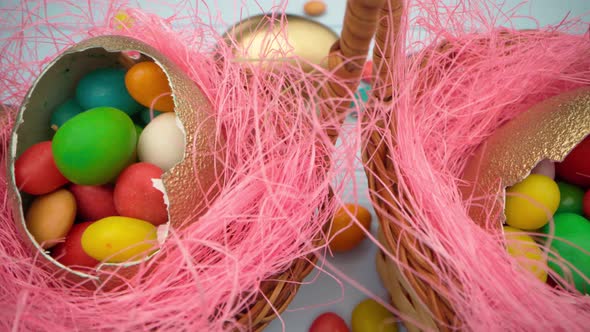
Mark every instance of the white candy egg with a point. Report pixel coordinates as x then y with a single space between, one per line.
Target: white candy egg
162 142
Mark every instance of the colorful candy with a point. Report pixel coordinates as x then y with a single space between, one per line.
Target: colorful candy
370 316
345 233
70 252
571 198
148 84
64 112
162 142
106 88
526 252
367 74
136 196
314 8
329 322
575 168
35 171
95 146
94 202
119 239
50 217
530 203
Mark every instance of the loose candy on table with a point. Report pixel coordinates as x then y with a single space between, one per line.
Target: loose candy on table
70 252
329 322
95 146
106 88
545 167
570 244
119 239
369 316
526 252
50 217
135 194
345 234
64 112
94 202
530 203
148 84
162 142
314 8
35 170
575 168
571 198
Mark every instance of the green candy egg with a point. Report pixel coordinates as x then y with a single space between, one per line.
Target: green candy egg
64 112
93 147
571 198
571 239
106 87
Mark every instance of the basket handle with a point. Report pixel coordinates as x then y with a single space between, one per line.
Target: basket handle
347 58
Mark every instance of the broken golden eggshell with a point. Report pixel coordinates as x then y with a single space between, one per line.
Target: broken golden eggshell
549 130
188 187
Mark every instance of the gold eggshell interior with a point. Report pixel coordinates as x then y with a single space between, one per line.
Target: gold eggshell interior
189 185
549 130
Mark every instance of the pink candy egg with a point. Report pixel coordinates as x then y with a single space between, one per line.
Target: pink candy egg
94 202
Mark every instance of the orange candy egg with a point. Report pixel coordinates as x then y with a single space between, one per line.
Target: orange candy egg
345 234
145 82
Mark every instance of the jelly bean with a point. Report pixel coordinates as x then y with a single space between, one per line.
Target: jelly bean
545 167
64 112
526 252
570 245
314 8
147 82
94 202
370 316
35 171
345 234
95 146
575 168
136 196
70 252
530 203
162 142
50 217
146 116
571 198
119 239
329 322
586 204
106 87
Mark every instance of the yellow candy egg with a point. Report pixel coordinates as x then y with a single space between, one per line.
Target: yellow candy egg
119 239
526 252
530 203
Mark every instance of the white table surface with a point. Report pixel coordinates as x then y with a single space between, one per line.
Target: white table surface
323 293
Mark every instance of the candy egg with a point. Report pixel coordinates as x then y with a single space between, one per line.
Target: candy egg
314 8
35 170
345 234
136 196
526 252
119 239
106 87
570 245
162 142
329 322
50 217
545 167
530 203
94 202
64 112
571 198
95 146
575 168
70 252
370 316
147 83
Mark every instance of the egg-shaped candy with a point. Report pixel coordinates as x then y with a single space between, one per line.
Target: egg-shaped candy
575 168
571 198
119 239
570 245
345 234
369 316
530 203
328 322
148 84
35 171
106 87
70 252
95 146
526 252
69 109
50 217
136 196
162 142
94 202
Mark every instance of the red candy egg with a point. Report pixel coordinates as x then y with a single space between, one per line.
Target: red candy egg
136 196
70 252
94 202
35 171
575 168
329 322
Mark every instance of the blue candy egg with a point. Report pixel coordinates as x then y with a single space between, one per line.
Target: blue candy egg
64 112
106 88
